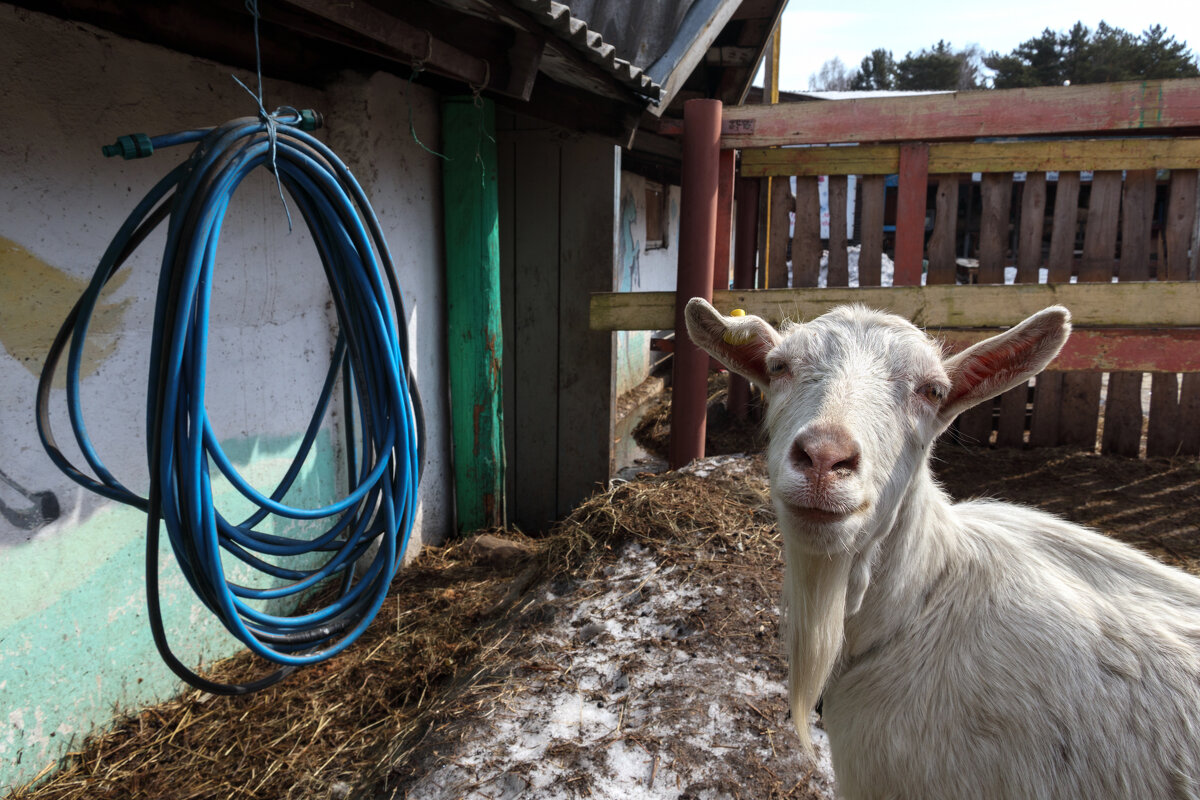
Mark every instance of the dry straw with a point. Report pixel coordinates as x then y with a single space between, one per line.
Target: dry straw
437 651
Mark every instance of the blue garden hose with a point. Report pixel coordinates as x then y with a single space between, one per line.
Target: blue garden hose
385 449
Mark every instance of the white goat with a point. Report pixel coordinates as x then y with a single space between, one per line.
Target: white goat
963 650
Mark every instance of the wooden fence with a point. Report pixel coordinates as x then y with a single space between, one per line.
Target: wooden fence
1108 193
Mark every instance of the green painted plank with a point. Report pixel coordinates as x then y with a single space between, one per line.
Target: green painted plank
474 335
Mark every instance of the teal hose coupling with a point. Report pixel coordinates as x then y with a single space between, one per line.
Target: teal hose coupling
135 145
310 120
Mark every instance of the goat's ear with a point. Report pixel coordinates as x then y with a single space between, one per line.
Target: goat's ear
995 365
740 343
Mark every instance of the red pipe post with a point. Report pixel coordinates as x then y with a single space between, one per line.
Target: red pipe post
725 180
745 259
697 249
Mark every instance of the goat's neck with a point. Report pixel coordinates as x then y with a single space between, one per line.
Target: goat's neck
903 557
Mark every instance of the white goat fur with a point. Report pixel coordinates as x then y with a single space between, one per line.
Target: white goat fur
963 650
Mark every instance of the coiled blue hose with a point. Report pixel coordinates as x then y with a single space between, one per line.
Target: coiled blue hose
384 458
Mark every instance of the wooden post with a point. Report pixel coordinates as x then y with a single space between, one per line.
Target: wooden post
697 242
475 339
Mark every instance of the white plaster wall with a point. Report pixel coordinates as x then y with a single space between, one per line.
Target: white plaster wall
74 643
642 270
368 124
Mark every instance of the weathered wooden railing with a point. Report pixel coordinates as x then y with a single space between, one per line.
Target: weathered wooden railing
1134 221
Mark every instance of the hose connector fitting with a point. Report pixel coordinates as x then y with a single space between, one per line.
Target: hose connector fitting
135 145
310 120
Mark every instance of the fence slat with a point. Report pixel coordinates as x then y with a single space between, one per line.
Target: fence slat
976 424
1033 222
1123 416
1061 261
996 191
806 243
839 261
1100 235
870 257
945 229
1010 430
1045 427
1047 403
910 212
1137 211
1163 433
782 203
1181 223
1081 391
1189 414
1181 421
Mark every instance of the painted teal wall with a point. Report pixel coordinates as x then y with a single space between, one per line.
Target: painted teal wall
75 646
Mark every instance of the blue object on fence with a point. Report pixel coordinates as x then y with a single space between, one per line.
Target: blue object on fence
371 354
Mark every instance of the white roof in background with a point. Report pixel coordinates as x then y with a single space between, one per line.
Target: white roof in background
863 95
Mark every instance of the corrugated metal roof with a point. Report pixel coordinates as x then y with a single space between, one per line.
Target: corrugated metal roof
559 18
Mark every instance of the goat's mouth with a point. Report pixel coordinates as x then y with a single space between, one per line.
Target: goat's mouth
823 515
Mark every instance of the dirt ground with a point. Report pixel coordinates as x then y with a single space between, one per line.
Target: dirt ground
631 653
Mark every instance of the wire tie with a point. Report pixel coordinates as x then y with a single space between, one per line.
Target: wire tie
268 119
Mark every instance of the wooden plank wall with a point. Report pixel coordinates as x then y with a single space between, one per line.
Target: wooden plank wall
557 240
1133 225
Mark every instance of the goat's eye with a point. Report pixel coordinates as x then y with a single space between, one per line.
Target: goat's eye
933 392
776 369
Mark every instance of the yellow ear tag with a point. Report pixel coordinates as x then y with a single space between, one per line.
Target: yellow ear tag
737 339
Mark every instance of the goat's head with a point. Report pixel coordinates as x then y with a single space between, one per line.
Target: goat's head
855 399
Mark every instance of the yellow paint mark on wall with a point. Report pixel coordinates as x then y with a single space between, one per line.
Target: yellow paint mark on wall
35 298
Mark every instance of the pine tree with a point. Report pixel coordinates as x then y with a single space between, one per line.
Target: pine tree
1082 56
877 72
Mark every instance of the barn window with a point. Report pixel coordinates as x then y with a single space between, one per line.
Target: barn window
656 216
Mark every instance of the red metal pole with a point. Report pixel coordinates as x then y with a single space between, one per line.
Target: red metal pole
697 247
724 233
745 251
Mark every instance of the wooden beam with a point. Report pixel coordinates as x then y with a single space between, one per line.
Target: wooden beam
1155 304
399 39
1118 350
1127 106
951 157
1066 154
731 56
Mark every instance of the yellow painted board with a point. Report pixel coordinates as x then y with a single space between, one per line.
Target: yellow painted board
865 160
1065 155
1155 304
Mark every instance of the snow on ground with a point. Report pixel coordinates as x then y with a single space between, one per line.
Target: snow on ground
635 691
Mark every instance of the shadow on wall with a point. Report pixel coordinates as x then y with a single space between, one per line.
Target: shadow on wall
33 510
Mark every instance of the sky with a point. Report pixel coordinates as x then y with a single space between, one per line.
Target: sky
813 32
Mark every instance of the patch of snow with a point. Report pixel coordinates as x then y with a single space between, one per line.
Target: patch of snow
887 268
618 695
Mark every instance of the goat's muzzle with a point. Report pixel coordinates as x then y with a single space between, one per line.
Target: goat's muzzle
827 458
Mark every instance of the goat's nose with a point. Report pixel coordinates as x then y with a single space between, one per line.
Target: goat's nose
825 449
